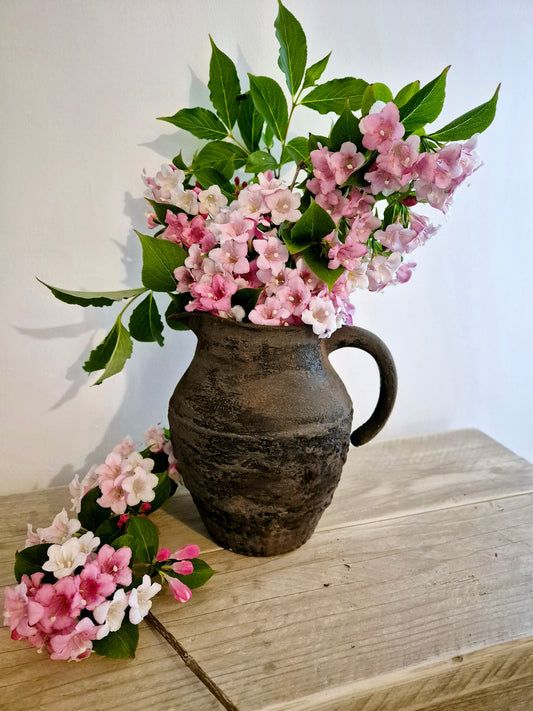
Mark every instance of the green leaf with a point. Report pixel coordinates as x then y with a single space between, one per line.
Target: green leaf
270 101
108 531
314 140
202 123
120 644
146 538
247 298
297 149
424 106
145 321
160 258
161 209
408 91
209 176
260 161
474 121
332 95
163 491
221 156
315 71
92 298
319 265
250 122
30 560
375 92
92 515
123 541
179 163
112 354
346 128
224 86
292 48
268 137
312 227
176 312
200 575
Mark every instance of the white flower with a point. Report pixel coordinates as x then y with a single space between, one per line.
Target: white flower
212 200
88 542
139 486
64 559
140 599
77 489
185 199
111 613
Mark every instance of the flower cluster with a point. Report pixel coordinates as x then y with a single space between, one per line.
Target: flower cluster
77 589
278 230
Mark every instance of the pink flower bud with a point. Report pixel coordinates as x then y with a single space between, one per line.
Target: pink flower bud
162 554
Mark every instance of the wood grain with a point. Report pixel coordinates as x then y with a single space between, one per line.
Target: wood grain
425 556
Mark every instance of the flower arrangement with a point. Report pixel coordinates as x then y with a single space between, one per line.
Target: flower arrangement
86 583
266 228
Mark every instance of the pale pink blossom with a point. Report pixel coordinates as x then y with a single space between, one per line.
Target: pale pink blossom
283 205
164 183
114 467
140 599
139 486
154 438
404 272
294 295
186 200
346 161
251 201
381 181
346 254
270 312
272 254
78 489
268 183
320 314
113 495
61 530
401 159
381 270
125 446
396 237
382 129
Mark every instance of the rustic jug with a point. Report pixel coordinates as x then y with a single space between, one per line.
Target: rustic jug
260 425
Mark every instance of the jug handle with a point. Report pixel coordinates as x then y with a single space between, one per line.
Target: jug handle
356 337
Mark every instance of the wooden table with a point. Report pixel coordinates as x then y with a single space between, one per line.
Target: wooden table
414 594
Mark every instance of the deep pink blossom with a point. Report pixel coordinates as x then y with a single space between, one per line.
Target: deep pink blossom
94 585
76 644
345 162
180 591
115 563
213 295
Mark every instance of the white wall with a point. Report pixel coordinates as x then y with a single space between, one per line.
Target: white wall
82 83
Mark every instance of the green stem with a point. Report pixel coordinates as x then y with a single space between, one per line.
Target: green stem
130 301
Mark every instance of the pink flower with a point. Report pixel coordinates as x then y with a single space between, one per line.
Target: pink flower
346 254
115 563
55 608
323 171
381 181
213 295
114 467
272 254
251 201
270 312
139 486
345 162
154 438
404 272
188 553
381 270
180 591
124 447
232 257
294 295
283 205
61 530
183 567
212 200
113 495
334 203
162 555
75 645
396 237
401 159
320 315
94 585
381 130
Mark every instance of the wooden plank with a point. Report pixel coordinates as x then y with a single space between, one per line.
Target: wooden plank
362 601
494 679
407 475
409 567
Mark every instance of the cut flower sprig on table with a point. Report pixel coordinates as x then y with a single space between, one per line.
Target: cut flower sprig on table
268 228
86 582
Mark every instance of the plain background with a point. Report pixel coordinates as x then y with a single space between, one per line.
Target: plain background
82 82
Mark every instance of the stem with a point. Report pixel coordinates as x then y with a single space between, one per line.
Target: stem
298 169
190 662
241 145
130 301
